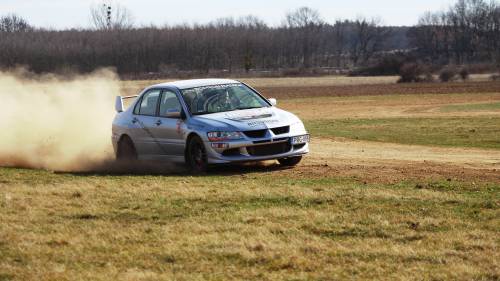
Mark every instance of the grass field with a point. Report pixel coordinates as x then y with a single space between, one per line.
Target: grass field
472 107
255 225
480 132
397 187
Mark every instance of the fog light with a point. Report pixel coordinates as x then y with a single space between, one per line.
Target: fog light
220 145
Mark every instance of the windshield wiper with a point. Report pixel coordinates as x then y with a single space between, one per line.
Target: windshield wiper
249 107
201 113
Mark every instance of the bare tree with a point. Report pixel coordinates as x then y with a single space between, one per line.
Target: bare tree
467 32
306 24
303 17
223 46
430 35
368 38
111 16
251 22
14 23
339 38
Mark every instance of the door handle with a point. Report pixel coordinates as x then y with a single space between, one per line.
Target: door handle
134 120
158 123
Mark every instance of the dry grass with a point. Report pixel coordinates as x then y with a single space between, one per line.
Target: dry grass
392 106
259 225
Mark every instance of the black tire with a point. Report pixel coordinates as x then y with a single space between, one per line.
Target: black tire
126 150
290 162
196 156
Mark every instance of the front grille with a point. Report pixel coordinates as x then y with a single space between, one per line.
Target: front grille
261 141
269 149
231 152
256 133
281 130
281 139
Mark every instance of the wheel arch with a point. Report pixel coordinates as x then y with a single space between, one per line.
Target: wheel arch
122 138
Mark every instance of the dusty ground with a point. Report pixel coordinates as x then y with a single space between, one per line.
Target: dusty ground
386 162
337 151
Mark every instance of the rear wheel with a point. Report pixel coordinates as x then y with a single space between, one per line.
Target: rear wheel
290 162
196 156
126 150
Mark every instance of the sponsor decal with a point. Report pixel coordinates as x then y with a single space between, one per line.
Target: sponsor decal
245 117
262 123
216 87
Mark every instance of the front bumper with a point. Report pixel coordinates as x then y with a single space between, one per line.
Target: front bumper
255 150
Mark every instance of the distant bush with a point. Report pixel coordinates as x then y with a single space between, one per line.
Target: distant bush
484 68
464 73
428 77
447 74
292 72
384 67
414 72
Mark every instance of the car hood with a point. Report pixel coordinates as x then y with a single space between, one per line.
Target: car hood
248 120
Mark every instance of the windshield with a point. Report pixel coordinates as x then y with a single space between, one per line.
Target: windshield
221 98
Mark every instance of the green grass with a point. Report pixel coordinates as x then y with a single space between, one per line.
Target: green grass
471 107
255 226
480 132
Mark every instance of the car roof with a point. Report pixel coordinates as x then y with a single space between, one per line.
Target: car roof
194 83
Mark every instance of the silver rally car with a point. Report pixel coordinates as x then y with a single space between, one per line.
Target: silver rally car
207 121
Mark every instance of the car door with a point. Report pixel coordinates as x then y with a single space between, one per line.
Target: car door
144 122
168 128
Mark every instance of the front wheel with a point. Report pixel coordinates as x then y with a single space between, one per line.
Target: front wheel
290 162
196 156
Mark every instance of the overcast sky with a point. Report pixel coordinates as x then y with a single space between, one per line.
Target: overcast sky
75 13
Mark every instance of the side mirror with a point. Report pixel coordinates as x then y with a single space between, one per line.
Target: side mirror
273 101
119 104
173 113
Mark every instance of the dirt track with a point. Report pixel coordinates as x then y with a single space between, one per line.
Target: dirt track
375 162
339 150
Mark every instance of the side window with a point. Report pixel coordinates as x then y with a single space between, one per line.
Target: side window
169 103
137 107
148 103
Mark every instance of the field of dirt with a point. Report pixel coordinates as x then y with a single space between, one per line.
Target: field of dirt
381 89
343 86
373 160
384 106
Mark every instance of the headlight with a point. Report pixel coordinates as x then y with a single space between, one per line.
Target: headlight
223 136
297 128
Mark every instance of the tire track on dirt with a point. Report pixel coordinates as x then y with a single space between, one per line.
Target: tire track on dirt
342 150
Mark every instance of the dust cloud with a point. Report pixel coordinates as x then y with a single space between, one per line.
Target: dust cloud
56 122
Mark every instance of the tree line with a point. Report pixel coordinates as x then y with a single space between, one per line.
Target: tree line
468 32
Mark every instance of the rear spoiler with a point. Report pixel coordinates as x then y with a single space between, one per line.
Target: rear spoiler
119 102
